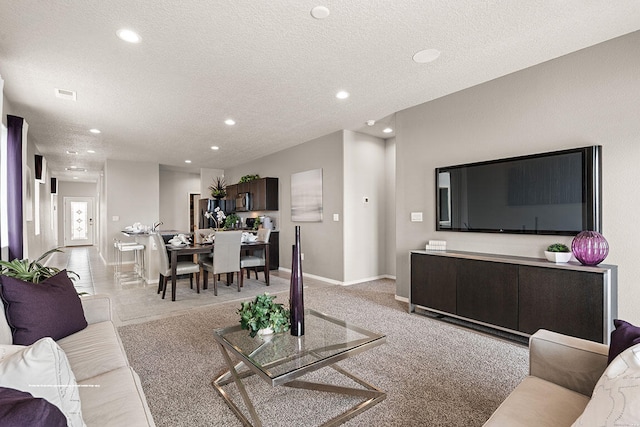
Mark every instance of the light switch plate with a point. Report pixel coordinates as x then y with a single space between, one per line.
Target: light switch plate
115 218
416 216
336 217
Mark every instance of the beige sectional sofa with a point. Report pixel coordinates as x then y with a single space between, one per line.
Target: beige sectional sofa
110 390
563 372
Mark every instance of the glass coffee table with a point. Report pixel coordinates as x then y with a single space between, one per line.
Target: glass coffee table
280 359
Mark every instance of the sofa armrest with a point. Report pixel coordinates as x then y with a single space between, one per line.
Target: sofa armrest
97 308
570 362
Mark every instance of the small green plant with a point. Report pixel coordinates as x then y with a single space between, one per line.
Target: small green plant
32 271
248 178
262 313
231 221
558 247
218 188
257 223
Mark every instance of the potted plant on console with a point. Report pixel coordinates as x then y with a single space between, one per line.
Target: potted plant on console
262 316
32 271
558 253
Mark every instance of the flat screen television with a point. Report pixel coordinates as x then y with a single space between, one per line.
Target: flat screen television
550 193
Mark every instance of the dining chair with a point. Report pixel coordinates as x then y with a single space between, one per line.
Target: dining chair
183 267
258 256
226 259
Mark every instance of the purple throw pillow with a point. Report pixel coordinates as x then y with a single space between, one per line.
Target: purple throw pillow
19 409
626 335
51 308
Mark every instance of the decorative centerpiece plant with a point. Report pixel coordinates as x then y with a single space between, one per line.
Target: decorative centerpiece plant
263 314
217 216
558 253
32 271
218 188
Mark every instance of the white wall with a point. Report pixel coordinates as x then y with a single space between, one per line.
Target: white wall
586 98
175 190
363 223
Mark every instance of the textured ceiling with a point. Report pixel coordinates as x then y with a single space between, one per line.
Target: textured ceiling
267 64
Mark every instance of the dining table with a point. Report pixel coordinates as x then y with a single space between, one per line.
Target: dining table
207 248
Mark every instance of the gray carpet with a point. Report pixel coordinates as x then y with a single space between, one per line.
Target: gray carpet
434 373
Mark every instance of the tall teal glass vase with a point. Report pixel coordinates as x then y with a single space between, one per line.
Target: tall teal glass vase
296 303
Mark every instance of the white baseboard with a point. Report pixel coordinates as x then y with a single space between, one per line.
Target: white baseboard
402 299
338 282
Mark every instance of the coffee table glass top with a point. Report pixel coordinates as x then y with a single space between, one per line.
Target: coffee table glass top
279 358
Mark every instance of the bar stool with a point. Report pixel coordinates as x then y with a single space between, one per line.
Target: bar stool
138 253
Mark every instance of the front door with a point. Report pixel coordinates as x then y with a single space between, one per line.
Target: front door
78 221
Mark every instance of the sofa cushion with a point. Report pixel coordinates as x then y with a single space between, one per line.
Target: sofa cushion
540 403
43 370
616 397
19 409
115 399
94 350
624 336
51 308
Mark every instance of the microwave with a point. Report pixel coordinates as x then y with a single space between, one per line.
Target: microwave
242 202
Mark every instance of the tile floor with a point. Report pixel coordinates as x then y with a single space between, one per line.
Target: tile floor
137 302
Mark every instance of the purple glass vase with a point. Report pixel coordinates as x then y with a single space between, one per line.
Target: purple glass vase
590 247
296 303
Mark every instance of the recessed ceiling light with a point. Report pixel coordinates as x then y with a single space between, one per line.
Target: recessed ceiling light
187 161
230 122
72 152
94 130
371 122
128 35
215 147
75 177
342 95
91 151
426 55
320 12
387 130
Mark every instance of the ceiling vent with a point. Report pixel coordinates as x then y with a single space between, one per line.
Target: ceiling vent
69 95
75 169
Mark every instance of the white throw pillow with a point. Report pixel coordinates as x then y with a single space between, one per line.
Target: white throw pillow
616 398
43 370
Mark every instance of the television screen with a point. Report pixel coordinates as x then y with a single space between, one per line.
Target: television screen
549 193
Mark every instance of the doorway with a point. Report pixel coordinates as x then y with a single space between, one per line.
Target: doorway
78 221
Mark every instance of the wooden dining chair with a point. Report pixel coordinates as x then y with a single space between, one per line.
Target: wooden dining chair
226 259
183 267
258 256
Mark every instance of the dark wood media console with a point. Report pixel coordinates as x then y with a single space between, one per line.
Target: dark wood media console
516 294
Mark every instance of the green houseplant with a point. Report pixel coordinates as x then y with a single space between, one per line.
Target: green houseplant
263 314
558 253
248 178
32 271
231 220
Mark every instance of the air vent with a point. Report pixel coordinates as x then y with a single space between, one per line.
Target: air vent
75 169
69 95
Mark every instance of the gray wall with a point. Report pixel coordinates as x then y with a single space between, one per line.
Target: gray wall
175 188
321 242
390 207
132 193
364 232
586 98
